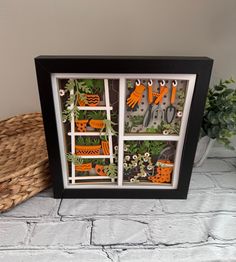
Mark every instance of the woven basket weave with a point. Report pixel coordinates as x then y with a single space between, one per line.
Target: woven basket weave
24 168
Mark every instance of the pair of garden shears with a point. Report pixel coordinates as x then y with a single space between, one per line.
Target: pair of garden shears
156 101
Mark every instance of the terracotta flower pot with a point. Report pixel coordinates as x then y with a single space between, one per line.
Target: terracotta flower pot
81 125
105 148
97 123
88 150
92 100
83 167
100 170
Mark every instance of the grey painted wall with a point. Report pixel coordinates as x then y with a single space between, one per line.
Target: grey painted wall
126 27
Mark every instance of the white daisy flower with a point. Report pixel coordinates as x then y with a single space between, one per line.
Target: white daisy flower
64 120
165 132
132 180
134 164
116 148
127 158
61 92
143 175
145 159
149 167
135 157
179 114
125 148
125 165
147 154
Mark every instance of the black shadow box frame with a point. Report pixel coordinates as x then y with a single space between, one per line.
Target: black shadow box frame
48 65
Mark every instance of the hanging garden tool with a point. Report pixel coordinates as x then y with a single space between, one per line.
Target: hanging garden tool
136 95
163 88
150 93
157 100
171 110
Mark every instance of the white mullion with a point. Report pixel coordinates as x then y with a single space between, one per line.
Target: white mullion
121 130
183 129
72 127
91 178
107 102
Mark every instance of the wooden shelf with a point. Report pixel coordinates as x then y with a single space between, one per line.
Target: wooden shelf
87 134
98 156
95 108
148 136
91 177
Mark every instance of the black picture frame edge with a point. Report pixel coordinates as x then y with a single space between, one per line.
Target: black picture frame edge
46 65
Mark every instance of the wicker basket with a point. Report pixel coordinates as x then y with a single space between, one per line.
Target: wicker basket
24 168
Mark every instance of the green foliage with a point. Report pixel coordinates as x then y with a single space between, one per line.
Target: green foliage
136 120
128 128
77 160
153 130
133 121
172 128
81 115
219 121
111 170
98 115
74 159
129 84
108 129
87 141
152 147
98 86
181 99
80 88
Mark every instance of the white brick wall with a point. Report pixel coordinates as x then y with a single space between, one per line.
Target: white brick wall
118 231
201 228
70 233
12 233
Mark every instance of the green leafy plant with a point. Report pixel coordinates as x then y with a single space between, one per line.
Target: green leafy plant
77 160
111 170
98 86
87 141
219 120
133 121
98 115
152 147
107 129
172 129
74 159
152 129
136 120
81 115
181 99
79 88
128 128
131 147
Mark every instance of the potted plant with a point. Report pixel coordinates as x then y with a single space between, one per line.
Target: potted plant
81 121
219 120
93 96
87 146
81 165
97 119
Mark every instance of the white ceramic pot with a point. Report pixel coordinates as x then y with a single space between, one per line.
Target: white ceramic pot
203 148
